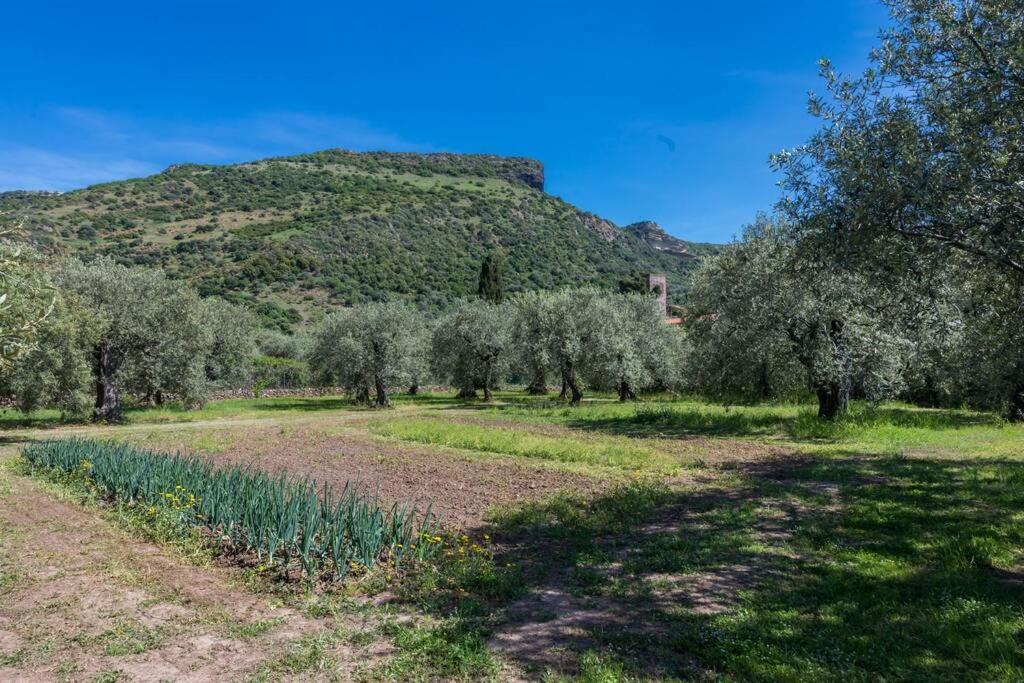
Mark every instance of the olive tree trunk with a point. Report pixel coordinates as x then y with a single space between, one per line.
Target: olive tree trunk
573 382
468 391
488 381
539 385
383 401
108 399
626 392
833 400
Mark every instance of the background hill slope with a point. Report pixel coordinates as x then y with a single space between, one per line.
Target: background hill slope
295 235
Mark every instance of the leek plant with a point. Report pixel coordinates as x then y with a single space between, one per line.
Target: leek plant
284 521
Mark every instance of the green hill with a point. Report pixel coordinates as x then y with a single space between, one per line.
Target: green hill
296 235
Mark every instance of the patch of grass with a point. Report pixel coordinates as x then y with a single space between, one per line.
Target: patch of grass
654 418
617 453
108 676
127 637
595 667
309 654
890 428
254 629
462 591
453 649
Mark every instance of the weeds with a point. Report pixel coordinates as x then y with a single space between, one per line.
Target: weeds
615 453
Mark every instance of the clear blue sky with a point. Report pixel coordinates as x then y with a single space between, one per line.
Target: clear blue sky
601 92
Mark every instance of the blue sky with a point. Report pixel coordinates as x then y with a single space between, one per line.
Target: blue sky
639 110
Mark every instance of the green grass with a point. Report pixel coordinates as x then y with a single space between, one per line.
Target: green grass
884 429
610 452
126 637
910 571
226 409
308 654
253 629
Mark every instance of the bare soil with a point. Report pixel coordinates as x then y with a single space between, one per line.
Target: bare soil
459 489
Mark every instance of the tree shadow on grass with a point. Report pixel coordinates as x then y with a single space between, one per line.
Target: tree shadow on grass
661 421
832 568
299 404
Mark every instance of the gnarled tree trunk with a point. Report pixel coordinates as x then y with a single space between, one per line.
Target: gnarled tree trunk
539 385
414 389
362 394
574 386
488 380
108 399
383 401
833 400
626 392
468 391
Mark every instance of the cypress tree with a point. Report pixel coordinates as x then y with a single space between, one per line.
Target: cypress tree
492 279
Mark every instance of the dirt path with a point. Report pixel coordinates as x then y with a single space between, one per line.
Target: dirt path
80 600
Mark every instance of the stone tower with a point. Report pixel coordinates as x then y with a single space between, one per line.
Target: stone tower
652 281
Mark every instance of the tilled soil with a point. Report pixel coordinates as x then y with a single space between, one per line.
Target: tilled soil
459 488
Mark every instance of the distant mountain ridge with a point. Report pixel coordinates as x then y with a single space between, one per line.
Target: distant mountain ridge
293 236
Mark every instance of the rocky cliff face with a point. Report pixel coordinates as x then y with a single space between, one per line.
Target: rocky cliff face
655 236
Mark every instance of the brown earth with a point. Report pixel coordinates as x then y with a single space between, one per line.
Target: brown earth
459 488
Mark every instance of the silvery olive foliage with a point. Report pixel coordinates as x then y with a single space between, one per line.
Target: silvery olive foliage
571 334
764 321
529 338
471 346
26 296
590 337
918 168
152 339
371 348
57 370
638 350
231 342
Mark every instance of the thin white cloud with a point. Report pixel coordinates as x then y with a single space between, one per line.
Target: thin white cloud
104 146
30 168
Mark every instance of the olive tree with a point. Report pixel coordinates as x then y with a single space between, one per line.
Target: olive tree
57 370
762 307
370 347
637 350
529 338
151 339
26 296
919 165
570 331
230 341
471 346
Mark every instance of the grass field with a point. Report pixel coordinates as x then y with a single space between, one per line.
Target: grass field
670 539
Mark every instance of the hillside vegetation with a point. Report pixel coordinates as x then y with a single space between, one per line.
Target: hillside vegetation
293 236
